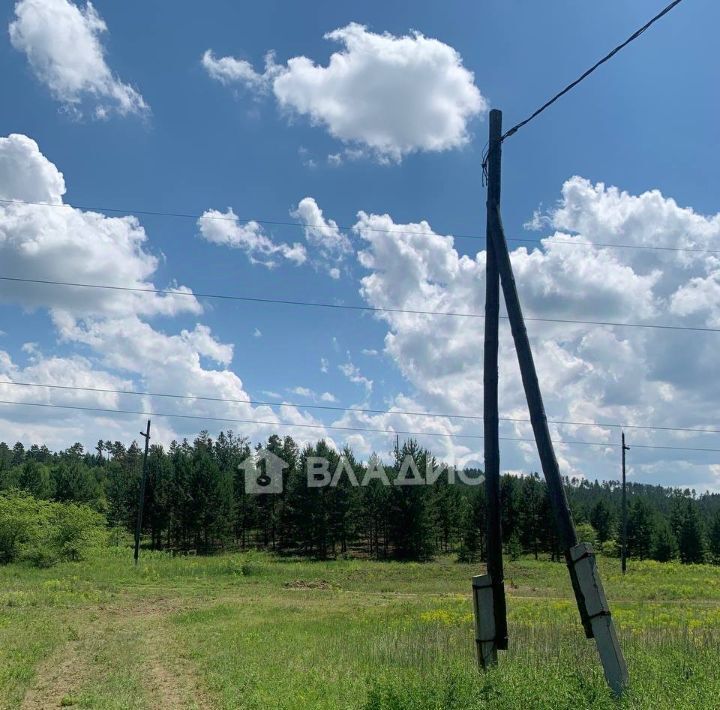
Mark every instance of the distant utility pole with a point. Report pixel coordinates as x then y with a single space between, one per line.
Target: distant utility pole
141 498
624 508
580 558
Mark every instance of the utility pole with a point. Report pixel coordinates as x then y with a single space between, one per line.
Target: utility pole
141 498
624 508
492 637
580 558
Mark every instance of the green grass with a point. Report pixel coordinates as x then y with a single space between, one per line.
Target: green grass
253 631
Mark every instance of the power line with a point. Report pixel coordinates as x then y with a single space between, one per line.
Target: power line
595 66
347 228
240 421
350 307
602 245
394 432
335 408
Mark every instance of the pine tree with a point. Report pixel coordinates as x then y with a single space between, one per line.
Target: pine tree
410 522
715 539
602 519
530 513
641 528
474 526
665 546
34 478
691 541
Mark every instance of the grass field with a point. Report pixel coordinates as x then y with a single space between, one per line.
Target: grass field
253 631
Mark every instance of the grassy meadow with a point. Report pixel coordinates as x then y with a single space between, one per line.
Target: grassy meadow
254 631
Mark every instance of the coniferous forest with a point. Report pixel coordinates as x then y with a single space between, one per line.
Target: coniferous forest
195 501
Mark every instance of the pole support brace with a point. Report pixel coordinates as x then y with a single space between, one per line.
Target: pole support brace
595 614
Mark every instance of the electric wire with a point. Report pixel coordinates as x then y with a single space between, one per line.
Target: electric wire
358 410
587 73
350 307
304 425
349 228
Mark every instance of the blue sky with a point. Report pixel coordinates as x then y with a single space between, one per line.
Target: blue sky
646 121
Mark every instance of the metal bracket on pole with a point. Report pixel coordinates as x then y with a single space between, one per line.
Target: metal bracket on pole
596 612
484 620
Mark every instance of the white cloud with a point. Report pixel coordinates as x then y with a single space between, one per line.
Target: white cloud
588 373
324 364
257 333
302 391
328 397
62 44
26 174
124 351
60 243
323 235
320 232
352 372
385 94
226 229
202 341
228 70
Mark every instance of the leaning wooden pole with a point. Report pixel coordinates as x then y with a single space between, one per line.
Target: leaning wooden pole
492 637
592 604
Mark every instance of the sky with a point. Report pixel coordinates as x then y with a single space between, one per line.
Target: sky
335 156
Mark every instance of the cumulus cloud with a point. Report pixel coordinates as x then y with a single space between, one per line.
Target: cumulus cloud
121 348
385 94
226 229
62 44
588 373
228 70
60 243
330 245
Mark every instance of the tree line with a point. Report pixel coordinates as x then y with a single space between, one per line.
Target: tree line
195 499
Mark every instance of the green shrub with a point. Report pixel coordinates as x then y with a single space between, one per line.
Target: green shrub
44 532
22 518
587 533
610 548
77 529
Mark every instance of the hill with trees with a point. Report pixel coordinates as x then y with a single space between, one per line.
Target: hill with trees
195 499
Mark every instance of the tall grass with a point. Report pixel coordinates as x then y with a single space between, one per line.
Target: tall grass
262 632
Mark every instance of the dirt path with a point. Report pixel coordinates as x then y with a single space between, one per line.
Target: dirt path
171 680
168 681
58 679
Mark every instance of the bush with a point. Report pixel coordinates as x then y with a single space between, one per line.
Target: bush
22 518
610 548
77 529
45 532
587 533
